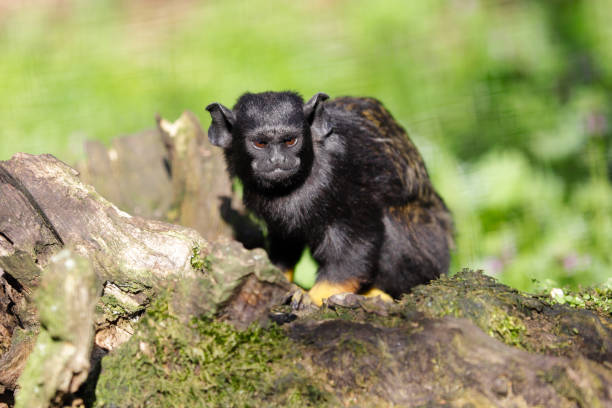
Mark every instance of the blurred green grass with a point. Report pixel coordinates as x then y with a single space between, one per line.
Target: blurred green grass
509 101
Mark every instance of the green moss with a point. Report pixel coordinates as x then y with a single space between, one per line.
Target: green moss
357 347
204 363
39 392
366 313
597 299
199 262
132 287
20 335
507 328
113 307
490 305
327 313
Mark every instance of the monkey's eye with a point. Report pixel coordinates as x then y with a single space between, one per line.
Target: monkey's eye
260 144
291 141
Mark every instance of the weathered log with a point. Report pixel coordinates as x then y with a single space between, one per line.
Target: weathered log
198 180
188 322
172 174
45 207
130 252
60 361
355 352
131 173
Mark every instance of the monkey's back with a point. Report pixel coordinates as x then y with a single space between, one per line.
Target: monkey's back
387 166
389 162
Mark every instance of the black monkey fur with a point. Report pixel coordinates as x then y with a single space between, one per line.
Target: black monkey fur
342 177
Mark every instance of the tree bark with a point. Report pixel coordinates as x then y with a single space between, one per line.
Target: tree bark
171 173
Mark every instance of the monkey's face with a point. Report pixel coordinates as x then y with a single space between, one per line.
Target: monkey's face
277 154
267 138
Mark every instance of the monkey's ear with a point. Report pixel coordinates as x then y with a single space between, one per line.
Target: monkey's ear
220 130
315 115
310 107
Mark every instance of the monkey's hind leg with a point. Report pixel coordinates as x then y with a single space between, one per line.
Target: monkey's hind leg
324 289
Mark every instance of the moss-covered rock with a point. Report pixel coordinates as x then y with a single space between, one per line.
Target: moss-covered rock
531 322
204 363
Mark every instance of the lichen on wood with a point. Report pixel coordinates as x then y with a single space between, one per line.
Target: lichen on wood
60 360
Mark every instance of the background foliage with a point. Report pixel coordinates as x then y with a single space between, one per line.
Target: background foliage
510 101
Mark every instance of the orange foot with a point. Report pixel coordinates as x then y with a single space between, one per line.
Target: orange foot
289 274
324 289
377 292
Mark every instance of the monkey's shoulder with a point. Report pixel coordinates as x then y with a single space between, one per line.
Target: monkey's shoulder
366 120
358 105
382 151
364 108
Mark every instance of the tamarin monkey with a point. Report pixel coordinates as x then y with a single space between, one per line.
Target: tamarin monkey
342 177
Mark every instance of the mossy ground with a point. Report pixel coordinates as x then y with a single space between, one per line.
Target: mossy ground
538 323
597 299
204 363
492 306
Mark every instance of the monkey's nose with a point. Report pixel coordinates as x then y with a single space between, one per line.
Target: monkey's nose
277 159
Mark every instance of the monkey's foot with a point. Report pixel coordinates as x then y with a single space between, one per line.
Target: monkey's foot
324 289
374 292
289 274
